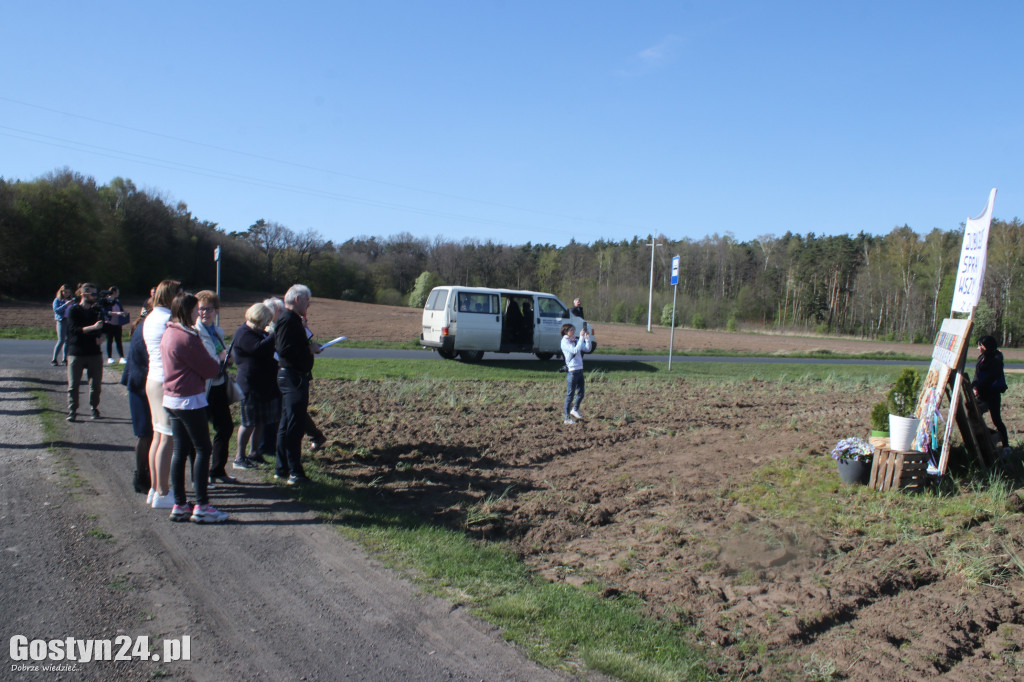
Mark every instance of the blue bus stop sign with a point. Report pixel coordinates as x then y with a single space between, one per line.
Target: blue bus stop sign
675 270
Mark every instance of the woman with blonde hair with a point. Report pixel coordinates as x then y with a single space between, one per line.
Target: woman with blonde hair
61 302
257 377
163 438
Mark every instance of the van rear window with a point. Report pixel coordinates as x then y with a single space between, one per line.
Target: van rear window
478 303
437 299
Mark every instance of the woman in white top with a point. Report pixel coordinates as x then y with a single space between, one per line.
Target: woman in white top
163 443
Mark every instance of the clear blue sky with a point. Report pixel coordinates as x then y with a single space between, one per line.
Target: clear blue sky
523 121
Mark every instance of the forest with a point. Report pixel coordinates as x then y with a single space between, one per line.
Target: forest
65 228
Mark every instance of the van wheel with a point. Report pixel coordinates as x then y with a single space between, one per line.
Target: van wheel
446 354
544 356
471 355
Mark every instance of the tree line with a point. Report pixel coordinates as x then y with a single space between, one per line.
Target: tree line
64 227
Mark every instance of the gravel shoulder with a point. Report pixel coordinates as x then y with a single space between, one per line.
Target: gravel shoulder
272 594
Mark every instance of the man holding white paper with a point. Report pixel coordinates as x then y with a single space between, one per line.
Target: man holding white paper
295 350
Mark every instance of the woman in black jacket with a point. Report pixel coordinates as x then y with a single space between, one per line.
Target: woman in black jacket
257 377
134 379
990 383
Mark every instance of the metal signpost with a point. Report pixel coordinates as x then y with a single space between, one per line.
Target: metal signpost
672 323
216 259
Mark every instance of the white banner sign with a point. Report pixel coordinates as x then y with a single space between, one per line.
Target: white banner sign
971 274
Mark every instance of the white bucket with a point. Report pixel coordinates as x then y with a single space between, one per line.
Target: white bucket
902 431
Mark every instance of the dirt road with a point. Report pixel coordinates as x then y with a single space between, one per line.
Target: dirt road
271 595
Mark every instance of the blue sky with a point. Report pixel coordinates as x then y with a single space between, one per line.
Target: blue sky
528 121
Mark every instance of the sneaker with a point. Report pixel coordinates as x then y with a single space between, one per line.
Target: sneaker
110 361
53 362
575 414
241 464
568 421
181 512
208 514
122 361
149 496
96 414
163 501
71 417
283 479
295 479
223 480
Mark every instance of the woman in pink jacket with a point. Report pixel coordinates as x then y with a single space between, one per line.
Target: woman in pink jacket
187 365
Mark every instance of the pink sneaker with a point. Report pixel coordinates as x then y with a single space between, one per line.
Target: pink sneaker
207 514
181 512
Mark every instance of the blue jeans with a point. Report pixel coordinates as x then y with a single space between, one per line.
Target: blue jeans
62 341
190 430
294 387
573 386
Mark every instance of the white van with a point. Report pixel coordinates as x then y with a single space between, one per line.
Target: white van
466 321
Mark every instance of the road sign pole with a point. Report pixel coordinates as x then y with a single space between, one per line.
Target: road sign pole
672 321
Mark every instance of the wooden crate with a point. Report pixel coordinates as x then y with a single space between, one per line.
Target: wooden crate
899 470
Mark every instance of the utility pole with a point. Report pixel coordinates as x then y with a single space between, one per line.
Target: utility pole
650 295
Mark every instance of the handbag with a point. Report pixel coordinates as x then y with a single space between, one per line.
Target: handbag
233 390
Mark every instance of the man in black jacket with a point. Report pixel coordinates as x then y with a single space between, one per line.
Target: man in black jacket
295 355
85 331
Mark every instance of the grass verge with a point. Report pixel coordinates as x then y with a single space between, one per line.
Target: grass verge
558 625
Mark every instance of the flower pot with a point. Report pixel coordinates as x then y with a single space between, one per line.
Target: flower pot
854 472
880 439
902 431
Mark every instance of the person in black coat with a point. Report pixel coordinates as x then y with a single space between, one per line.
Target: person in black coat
134 379
257 378
990 383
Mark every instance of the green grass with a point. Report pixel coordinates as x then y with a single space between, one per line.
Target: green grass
511 370
29 333
557 624
808 491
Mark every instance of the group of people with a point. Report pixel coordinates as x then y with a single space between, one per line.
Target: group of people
176 373
107 306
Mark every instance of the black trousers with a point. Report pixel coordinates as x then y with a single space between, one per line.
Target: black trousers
219 414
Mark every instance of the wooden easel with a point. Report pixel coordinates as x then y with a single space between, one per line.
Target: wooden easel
969 418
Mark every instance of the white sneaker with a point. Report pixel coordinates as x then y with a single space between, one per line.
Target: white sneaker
163 501
568 421
110 361
150 496
575 414
122 361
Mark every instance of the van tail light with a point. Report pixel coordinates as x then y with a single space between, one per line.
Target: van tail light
444 331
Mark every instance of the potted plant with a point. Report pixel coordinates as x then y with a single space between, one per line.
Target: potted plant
853 459
902 400
880 424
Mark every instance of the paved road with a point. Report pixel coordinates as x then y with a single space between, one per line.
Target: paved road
17 354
